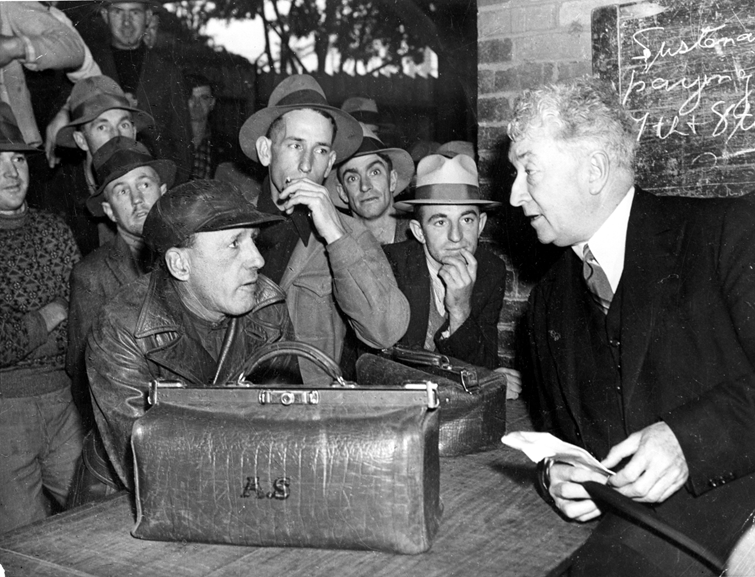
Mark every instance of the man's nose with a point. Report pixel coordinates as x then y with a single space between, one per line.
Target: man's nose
10 170
519 194
305 163
365 184
254 258
454 232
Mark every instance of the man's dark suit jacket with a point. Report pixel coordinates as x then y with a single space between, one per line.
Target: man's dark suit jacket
94 282
476 341
687 350
161 92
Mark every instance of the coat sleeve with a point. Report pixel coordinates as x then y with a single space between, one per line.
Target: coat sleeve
476 341
119 377
365 288
716 430
49 43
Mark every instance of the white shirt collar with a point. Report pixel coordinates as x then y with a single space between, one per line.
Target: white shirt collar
608 244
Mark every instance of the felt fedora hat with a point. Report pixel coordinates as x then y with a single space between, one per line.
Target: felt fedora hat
120 156
294 93
362 108
400 159
91 97
199 206
443 180
11 139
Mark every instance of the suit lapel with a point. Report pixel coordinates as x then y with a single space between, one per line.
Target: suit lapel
565 326
417 289
652 247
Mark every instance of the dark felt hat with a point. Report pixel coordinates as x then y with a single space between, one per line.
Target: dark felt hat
363 109
119 156
443 180
11 139
400 159
294 93
91 97
199 206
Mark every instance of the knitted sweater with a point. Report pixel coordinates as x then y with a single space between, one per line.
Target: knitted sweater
37 253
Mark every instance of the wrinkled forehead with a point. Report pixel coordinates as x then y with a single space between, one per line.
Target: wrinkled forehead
446 211
309 124
362 162
201 91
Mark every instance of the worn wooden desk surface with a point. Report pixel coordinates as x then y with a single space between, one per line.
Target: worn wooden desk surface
494 523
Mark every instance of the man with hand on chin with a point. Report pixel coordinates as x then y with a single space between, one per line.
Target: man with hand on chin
332 269
196 318
455 288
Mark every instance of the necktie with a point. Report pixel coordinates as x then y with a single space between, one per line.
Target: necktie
597 281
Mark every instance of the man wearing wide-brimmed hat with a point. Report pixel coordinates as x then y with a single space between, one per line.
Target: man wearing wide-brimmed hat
331 267
40 430
129 182
455 287
366 183
196 318
99 111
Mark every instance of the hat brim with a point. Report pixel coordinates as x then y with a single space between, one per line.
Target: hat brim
409 205
244 218
166 170
11 147
348 130
400 159
64 138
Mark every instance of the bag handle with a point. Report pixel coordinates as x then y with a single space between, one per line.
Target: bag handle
299 349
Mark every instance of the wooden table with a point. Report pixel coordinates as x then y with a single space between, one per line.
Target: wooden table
494 523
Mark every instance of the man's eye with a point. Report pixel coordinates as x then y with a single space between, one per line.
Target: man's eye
351 179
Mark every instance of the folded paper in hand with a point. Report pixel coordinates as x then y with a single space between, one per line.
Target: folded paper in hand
538 446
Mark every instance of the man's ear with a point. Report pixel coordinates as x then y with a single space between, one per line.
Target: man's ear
393 183
417 231
331 162
342 193
105 16
178 262
163 189
483 221
600 170
264 150
81 142
108 210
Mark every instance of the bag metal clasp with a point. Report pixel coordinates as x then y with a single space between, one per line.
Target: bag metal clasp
433 399
287 398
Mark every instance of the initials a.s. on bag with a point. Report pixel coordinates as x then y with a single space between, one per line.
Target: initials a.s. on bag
289 466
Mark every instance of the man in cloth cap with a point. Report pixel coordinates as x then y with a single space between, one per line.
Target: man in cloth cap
99 111
130 182
196 318
366 183
454 286
332 269
40 430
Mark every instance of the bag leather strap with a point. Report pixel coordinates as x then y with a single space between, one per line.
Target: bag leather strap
299 349
643 516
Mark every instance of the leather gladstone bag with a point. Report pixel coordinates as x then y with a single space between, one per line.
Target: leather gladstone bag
341 467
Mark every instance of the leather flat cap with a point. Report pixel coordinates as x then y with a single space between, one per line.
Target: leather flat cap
199 206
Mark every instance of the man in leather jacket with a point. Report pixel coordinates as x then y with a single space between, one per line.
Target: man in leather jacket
196 318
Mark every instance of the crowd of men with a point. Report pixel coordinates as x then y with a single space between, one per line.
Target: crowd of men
640 333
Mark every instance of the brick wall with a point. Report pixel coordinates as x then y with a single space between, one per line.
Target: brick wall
521 44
